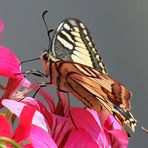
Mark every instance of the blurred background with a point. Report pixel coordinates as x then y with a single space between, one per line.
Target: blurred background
119 29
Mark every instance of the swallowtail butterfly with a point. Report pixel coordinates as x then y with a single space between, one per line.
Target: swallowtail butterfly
73 64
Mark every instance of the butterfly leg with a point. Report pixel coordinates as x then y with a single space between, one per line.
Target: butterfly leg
41 85
2 87
62 100
63 104
35 72
69 111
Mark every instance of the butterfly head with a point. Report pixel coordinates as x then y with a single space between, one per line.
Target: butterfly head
47 56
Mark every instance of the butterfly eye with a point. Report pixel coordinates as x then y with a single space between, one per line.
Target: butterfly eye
45 55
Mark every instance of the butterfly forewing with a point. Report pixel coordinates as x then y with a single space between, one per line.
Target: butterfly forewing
73 42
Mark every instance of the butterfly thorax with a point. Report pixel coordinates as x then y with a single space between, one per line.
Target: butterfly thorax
49 62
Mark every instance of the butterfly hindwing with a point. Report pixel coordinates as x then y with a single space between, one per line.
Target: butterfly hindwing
97 84
96 89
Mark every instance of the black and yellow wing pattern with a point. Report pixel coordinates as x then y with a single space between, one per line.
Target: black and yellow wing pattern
72 42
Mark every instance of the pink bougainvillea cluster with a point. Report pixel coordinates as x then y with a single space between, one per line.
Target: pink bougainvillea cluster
50 125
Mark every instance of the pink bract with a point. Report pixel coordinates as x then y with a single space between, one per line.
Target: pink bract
10 70
83 128
39 132
9 64
53 125
22 132
5 128
1 26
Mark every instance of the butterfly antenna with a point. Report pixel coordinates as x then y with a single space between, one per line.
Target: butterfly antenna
29 60
143 128
48 31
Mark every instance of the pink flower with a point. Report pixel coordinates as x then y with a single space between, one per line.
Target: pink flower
103 130
51 125
1 29
22 132
39 132
1 26
83 128
9 66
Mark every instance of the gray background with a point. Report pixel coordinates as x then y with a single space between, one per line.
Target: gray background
120 31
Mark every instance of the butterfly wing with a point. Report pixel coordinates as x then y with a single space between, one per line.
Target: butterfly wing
97 84
96 89
73 42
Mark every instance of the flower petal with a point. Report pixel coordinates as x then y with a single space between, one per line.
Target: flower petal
9 64
119 139
118 136
25 120
84 119
16 108
80 138
40 107
26 83
1 26
61 128
41 138
9 67
46 96
11 87
62 107
5 129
